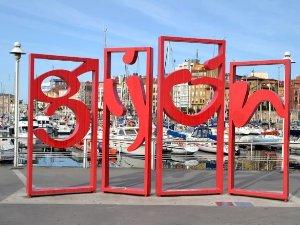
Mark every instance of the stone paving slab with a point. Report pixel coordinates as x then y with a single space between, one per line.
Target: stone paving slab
173 178
19 197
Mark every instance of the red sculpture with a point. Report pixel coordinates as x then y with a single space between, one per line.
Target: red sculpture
166 105
142 103
241 109
83 116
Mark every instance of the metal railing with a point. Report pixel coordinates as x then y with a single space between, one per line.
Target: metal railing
46 151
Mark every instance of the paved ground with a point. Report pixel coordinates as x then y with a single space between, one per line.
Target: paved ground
144 215
9 182
99 208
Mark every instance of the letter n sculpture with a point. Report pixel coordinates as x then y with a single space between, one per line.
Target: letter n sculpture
242 106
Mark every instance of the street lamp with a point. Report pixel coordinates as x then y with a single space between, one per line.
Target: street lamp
287 55
17 52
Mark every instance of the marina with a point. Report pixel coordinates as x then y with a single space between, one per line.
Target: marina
191 149
177 153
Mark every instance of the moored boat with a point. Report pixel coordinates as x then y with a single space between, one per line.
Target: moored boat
6 146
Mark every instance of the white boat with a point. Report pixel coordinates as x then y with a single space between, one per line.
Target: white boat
188 142
257 139
272 140
23 131
244 138
71 122
6 150
208 147
181 147
179 142
123 137
207 142
6 147
262 140
211 147
295 144
43 121
63 128
268 140
248 130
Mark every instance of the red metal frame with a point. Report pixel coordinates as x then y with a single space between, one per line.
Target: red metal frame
166 105
143 105
84 117
241 109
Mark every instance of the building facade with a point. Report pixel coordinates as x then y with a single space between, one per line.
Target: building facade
6 103
188 98
192 98
295 99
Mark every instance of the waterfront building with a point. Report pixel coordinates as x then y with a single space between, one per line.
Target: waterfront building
85 93
259 81
295 99
100 98
154 96
188 98
192 98
6 103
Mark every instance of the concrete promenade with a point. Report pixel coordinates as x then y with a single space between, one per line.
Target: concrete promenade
100 208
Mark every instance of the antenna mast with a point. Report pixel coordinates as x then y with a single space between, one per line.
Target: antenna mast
105 36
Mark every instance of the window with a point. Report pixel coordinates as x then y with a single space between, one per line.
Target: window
131 132
121 132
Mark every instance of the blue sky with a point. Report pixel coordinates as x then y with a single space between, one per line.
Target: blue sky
253 29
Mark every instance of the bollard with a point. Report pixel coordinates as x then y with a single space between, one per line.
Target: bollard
251 151
282 156
153 156
85 162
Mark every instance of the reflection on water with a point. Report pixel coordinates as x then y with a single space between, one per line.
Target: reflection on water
48 161
195 161
257 159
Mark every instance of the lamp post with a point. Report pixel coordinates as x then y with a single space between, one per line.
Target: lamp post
17 52
287 55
